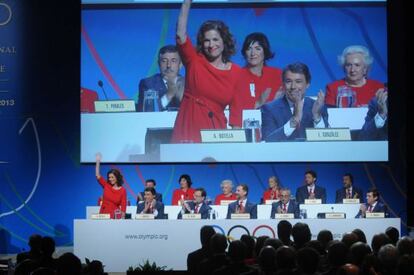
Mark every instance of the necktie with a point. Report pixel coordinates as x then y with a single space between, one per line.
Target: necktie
284 208
196 209
349 194
241 207
311 191
370 208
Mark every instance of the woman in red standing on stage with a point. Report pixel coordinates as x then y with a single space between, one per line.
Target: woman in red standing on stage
259 83
185 192
114 195
273 193
210 78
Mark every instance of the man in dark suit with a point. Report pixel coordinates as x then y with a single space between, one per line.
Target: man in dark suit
349 191
149 183
242 205
150 205
167 85
376 122
372 205
198 206
310 190
285 205
287 118
196 257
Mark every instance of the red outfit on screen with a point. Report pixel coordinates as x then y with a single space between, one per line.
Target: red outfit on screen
112 199
208 91
271 78
222 197
363 94
187 195
269 194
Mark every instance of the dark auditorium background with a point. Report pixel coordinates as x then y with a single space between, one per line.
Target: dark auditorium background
43 186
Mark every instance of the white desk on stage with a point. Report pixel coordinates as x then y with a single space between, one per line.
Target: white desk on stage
123 243
125 142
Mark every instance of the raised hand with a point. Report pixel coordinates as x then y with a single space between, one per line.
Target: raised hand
263 98
317 106
382 97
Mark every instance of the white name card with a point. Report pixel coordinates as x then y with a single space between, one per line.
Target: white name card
226 202
270 201
240 216
220 136
350 201
191 216
370 215
328 134
313 201
111 106
100 216
334 215
284 216
144 216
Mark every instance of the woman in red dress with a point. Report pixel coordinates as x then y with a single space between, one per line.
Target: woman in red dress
258 83
273 193
210 78
355 90
185 192
228 195
114 195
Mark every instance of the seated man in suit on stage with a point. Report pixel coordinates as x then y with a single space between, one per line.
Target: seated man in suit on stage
150 205
168 85
376 122
287 118
372 205
310 190
198 206
149 183
348 191
242 205
285 205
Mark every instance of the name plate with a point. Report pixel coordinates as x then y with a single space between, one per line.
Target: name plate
243 216
270 201
191 217
334 215
328 134
313 201
144 216
370 215
350 201
226 202
222 136
284 216
101 216
111 106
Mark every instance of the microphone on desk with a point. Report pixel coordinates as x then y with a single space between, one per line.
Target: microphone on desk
211 115
100 84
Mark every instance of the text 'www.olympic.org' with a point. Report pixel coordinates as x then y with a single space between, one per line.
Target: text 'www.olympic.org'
144 237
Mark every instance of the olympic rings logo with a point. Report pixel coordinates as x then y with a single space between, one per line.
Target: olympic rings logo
245 229
8 16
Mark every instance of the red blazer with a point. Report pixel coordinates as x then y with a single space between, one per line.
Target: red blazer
112 199
222 197
189 195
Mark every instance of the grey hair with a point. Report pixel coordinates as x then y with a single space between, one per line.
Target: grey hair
368 60
229 182
285 189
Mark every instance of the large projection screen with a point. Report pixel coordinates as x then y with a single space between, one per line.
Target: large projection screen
119 47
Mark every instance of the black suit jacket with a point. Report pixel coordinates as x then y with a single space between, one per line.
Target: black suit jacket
155 83
293 208
195 258
250 208
379 207
159 206
341 194
369 130
302 194
204 210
